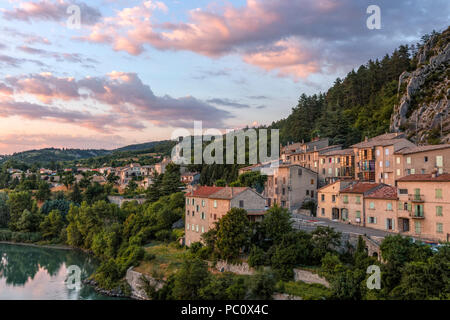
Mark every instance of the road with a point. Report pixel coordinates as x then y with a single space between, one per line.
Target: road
307 223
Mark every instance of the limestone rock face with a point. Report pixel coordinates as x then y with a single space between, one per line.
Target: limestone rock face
423 108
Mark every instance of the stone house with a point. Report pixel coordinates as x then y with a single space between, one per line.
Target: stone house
206 205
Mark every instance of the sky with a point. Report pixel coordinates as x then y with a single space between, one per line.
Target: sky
129 72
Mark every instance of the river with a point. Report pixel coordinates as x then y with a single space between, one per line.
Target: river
37 273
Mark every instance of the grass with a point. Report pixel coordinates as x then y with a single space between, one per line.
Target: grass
307 291
168 259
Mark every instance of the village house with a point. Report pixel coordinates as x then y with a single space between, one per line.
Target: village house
160 167
352 205
424 205
190 178
289 186
336 164
206 205
328 203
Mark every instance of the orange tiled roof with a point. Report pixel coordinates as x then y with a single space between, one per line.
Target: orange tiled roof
204 191
360 187
444 177
385 192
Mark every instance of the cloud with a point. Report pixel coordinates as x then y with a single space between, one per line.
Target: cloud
228 103
7 61
291 38
130 102
27 38
47 10
60 57
16 142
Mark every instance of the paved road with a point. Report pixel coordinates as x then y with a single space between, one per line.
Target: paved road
303 222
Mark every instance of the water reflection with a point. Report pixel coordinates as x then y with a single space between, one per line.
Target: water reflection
39 273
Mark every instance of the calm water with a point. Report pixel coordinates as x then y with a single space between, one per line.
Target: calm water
32 273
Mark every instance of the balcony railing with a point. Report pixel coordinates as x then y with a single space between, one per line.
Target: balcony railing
416 197
417 215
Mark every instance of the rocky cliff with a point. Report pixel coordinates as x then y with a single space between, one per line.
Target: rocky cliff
423 108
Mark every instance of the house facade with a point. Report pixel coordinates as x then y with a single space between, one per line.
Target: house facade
206 205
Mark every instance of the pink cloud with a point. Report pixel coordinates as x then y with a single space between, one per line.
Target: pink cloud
130 102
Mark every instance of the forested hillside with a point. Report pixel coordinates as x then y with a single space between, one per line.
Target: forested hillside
359 105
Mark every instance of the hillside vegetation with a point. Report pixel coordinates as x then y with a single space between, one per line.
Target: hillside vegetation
362 103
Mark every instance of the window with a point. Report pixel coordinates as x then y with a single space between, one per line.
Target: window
398 172
387 163
187 227
203 216
345 199
198 208
381 164
389 224
283 191
312 181
372 205
330 170
372 220
196 229
403 191
439 211
241 202
413 171
358 199
187 212
323 211
358 214
193 201
322 197
408 160
323 171
299 172
312 193
333 198
386 152
336 173
203 203
187 200
203 229
389 206
215 203
439 161
344 214
425 159
378 153
398 160
307 192
439 227
438 193
386 175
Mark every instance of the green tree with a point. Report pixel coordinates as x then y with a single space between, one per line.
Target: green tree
277 223
190 279
43 192
4 210
233 234
17 203
52 225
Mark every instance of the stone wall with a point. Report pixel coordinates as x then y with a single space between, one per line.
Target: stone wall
309 277
243 269
134 280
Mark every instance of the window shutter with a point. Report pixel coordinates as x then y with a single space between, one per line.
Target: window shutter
393 224
387 224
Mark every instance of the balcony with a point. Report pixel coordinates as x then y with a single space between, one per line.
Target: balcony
416 197
417 215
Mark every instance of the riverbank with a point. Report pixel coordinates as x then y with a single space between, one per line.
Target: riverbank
49 246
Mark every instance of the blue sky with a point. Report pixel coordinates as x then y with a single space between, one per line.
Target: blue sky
136 70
